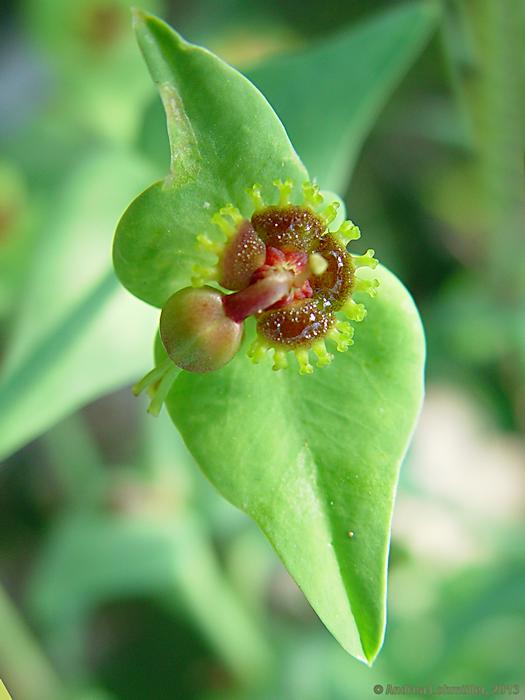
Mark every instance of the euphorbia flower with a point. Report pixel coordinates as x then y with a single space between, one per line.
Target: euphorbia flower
285 267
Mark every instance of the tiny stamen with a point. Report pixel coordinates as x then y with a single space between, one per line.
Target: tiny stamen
254 192
209 246
368 286
330 212
285 189
202 274
224 225
342 333
303 361
228 220
279 360
257 351
347 232
366 260
323 356
311 194
354 311
231 211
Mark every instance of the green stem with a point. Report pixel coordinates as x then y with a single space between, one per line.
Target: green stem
158 382
151 378
494 89
458 51
27 672
163 389
495 94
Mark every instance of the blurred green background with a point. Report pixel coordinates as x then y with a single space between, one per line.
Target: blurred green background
123 574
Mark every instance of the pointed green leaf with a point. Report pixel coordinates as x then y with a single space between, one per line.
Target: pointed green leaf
315 458
224 137
330 95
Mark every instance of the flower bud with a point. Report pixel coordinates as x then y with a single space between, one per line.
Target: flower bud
196 332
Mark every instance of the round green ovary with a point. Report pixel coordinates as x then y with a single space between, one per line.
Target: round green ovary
195 331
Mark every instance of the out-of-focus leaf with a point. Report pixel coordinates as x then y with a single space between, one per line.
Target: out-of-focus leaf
77 464
315 458
469 326
78 335
93 559
99 79
35 678
149 544
224 138
329 96
16 226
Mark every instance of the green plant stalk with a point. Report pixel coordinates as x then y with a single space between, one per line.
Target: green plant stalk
495 96
26 671
458 51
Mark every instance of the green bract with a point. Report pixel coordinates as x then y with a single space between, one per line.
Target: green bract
313 459
224 137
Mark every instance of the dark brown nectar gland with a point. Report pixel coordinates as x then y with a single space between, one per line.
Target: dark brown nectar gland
289 228
243 254
334 285
300 324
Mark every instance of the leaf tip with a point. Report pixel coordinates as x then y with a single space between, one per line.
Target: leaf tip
372 642
372 654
